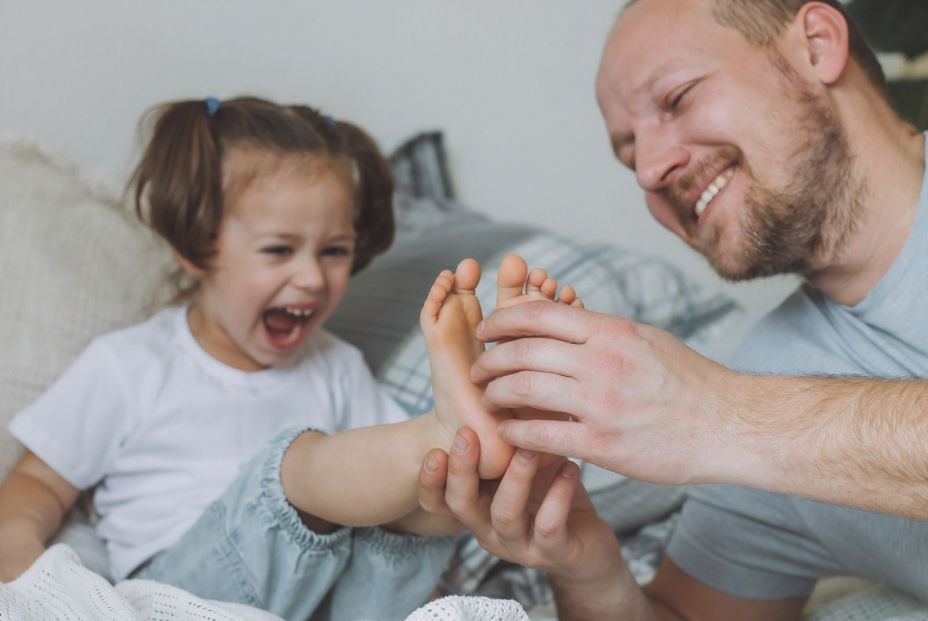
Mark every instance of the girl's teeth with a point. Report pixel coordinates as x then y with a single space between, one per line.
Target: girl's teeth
299 312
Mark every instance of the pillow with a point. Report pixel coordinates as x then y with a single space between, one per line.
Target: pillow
420 167
74 264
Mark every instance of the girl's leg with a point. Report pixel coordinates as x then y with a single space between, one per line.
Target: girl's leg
251 547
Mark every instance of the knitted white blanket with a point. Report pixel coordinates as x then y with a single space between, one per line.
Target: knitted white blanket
58 587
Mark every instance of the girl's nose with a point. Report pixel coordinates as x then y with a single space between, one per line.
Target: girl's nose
309 275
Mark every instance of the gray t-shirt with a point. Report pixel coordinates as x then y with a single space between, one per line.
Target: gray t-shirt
760 545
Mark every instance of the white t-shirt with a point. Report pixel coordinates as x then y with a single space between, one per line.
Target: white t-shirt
164 428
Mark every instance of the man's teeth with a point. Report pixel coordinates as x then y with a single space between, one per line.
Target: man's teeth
300 312
712 191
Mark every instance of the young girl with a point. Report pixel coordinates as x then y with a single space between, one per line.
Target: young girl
216 434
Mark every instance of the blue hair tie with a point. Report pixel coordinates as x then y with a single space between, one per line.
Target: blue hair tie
212 106
330 120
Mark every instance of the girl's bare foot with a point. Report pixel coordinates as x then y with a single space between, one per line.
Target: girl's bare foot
516 285
449 319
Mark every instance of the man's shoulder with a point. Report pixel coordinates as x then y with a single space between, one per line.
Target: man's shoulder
799 323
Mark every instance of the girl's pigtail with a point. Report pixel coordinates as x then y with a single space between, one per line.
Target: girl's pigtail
178 183
374 222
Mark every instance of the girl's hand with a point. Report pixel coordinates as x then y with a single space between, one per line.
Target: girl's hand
16 556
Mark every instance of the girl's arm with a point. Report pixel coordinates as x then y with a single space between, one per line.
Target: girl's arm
33 501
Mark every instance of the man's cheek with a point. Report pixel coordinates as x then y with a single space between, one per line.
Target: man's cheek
665 214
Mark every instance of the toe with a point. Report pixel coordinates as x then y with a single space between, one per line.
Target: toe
549 288
510 279
536 280
568 295
467 276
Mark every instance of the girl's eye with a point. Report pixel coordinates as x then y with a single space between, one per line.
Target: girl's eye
279 251
338 251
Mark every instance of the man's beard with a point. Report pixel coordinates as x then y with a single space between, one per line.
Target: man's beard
799 228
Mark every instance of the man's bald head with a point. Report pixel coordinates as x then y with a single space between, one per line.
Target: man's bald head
761 22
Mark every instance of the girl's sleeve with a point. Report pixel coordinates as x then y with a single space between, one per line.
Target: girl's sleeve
77 425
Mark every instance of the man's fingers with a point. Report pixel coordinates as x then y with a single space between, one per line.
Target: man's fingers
558 321
432 476
568 439
538 354
551 519
508 510
548 392
462 488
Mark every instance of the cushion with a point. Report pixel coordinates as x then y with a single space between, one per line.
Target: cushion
74 264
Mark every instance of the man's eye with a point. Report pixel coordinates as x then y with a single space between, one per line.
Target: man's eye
280 251
677 99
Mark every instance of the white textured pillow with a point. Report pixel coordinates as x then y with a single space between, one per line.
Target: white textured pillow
74 263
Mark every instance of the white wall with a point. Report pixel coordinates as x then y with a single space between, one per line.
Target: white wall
509 81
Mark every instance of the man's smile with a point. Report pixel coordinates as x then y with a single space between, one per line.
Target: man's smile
712 190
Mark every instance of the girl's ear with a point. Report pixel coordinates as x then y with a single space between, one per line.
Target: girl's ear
825 31
188 266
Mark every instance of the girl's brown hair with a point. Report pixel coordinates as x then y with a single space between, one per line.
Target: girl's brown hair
180 190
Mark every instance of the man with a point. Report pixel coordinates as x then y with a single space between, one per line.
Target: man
762 136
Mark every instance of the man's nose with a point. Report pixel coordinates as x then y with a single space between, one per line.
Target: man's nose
659 159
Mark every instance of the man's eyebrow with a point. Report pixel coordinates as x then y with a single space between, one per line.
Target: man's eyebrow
619 140
660 71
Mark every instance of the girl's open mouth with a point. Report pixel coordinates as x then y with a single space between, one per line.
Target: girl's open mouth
286 326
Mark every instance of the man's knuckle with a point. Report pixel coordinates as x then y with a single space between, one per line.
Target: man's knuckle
534 311
524 384
541 435
523 352
618 328
547 532
455 504
504 518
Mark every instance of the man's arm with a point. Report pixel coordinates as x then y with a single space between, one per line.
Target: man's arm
542 518
647 406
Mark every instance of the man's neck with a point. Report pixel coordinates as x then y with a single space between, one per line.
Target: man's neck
890 162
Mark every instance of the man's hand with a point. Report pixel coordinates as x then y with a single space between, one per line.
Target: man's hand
537 518
643 404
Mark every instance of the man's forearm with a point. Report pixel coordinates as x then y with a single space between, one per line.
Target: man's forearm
857 442
618 598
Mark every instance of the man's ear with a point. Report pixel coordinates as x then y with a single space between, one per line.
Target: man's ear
825 32
188 266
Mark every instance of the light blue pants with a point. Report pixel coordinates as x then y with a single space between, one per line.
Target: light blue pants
251 547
